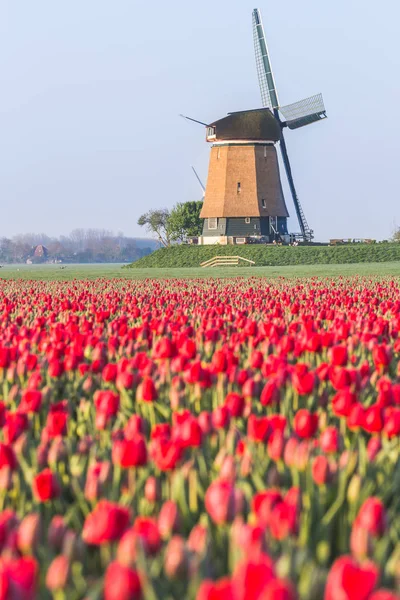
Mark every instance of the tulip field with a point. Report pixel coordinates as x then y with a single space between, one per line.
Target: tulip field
200 439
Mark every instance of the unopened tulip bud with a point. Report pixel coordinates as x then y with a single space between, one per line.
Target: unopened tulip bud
58 574
57 452
21 444
84 445
246 465
353 491
152 491
29 533
373 448
273 477
71 546
360 542
228 468
176 558
168 519
10 550
88 385
128 548
197 541
56 532
92 489
5 478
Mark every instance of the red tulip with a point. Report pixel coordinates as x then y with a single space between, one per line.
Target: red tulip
106 523
46 486
305 423
121 583
130 453
220 501
349 580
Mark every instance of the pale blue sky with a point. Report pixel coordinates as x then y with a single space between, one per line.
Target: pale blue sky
91 91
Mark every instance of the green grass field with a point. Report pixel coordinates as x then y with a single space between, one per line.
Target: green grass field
54 272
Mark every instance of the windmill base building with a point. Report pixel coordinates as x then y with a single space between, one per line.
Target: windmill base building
244 197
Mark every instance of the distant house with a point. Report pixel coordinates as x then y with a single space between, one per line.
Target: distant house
38 253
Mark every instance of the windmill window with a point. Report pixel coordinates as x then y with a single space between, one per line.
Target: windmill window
263 203
238 187
247 220
212 223
210 132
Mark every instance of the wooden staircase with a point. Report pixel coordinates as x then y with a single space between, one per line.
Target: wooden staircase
224 261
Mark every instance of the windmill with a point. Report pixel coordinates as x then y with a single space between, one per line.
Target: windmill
296 115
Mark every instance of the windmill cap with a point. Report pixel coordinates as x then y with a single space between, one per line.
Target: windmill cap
257 125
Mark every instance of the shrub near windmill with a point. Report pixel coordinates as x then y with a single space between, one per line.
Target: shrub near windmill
244 197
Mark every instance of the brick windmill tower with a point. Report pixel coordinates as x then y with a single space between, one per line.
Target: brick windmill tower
244 199
244 196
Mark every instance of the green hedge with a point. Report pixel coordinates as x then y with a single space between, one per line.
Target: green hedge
192 256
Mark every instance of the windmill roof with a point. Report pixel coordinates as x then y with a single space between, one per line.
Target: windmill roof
258 124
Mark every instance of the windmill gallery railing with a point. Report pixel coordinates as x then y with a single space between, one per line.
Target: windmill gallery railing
220 261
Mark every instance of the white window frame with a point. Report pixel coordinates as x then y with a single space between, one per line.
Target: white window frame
247 220
212 223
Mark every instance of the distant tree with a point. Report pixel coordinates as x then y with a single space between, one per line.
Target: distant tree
157 223
184 220
396 235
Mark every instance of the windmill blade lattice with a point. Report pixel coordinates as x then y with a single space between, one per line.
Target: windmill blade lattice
307 111
266 80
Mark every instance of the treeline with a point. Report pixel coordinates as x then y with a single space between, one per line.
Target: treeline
80 246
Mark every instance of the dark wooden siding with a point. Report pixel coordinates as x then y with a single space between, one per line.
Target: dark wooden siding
221 228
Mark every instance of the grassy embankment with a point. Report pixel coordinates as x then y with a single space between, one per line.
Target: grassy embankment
263 256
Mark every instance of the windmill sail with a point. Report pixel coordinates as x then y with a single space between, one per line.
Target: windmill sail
304 112
266 79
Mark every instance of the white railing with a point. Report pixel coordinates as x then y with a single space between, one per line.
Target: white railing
220 261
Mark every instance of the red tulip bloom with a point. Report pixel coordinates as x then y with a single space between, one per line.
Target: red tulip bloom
349 580
235 403
166 454
130 453
330 440
147 529
284 520
263 504
147 391
270 394
373 419
106 523
338 356
279 589
109 372
372 516
320 470
220 501
343 402
218 590
31 401
46 486
251 577
121 583
16 424
7 457
305 423
258 428
56 425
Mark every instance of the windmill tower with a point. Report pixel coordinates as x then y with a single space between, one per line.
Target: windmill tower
244 196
